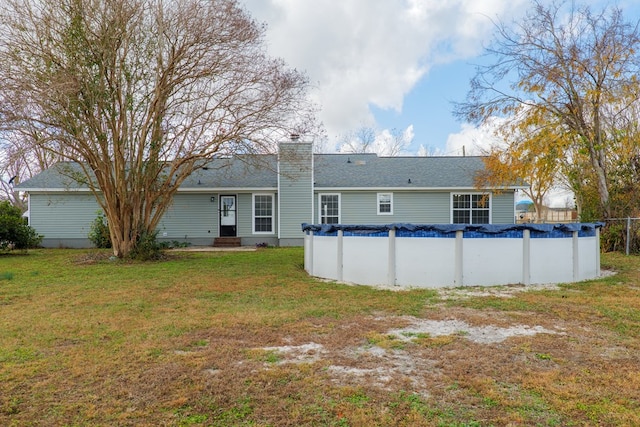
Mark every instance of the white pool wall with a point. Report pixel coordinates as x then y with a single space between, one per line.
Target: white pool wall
433 262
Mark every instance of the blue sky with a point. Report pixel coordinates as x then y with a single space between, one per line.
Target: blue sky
386 64
428 107
392 64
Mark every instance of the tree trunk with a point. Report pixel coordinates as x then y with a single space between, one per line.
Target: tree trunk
597 157
140 97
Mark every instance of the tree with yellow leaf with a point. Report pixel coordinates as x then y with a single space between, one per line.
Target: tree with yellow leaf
574 69
531 154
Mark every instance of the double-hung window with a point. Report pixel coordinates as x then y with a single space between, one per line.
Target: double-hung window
471 208
262 213
329 208
385 203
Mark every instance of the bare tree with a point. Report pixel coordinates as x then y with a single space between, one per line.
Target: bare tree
11 169
427 151
360 140
395 141
366 139
567 63
21 157
141 93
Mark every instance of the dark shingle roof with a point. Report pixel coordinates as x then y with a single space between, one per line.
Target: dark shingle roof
59 176
239 172
330 171
357 171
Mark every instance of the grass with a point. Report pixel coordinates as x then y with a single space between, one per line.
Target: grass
184 342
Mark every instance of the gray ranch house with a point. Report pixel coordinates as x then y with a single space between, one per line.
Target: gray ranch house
264 199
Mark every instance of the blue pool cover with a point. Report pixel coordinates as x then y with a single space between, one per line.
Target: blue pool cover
449 230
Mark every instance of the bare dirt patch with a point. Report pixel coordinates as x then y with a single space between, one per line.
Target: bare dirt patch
479 334
492 291
528 360
408 354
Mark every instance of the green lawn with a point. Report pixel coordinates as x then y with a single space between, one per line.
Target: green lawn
248 339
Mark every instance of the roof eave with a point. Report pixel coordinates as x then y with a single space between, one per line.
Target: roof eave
224 189
180 190
325 188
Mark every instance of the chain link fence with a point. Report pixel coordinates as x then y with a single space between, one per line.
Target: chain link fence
621 235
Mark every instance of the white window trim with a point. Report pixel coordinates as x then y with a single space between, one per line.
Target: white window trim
464 193
390 203
320 206
253 213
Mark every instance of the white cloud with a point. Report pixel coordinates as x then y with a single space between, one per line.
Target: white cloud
560 197
392 143
472 141
360 53
383 142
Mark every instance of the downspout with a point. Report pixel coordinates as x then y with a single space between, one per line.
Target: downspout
278 194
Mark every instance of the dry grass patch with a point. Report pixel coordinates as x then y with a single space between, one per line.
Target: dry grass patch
237 339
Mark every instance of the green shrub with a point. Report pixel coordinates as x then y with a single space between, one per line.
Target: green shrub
15 233
99 232
147 247
613 237
174 244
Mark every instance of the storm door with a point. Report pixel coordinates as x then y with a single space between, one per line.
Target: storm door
228 216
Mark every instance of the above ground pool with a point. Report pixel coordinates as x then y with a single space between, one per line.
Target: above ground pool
451 255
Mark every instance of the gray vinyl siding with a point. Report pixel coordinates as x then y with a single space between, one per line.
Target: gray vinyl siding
190 216
244 214
295 189
502 208
66 216
360 207
421 208
294 177
195 216
418 207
